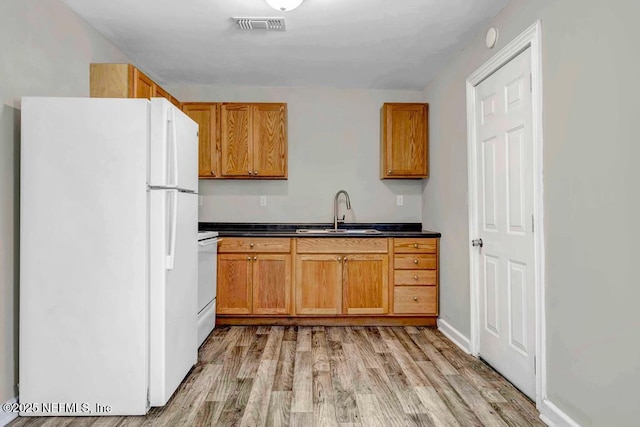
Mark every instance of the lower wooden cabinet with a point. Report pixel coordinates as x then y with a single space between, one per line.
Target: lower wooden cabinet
234 284
318 284
254 284
271 284
415 276
365 284
342 284
415 300
364 278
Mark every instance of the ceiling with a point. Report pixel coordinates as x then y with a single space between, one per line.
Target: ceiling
380 44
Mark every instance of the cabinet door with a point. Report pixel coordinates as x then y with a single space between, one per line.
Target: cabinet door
269 140
272 284
235 132
234 284
158 92
405 141
318 284
206 115
143 86
366 284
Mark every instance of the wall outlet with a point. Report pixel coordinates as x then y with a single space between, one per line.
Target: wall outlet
200 200
263 200
400 201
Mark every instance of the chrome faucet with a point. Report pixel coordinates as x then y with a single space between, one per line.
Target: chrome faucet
335 208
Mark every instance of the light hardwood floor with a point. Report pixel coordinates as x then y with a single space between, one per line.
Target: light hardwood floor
331 376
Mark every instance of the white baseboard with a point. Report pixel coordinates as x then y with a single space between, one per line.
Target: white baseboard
7 417
553 416
455 336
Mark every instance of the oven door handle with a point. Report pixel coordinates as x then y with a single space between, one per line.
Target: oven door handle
209 242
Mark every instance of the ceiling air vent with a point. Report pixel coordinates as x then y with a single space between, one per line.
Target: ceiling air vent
269 24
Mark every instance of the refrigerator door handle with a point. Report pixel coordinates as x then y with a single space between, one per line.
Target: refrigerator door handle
174 136
166 149
172 233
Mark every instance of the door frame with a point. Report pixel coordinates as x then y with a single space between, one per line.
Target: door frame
530 38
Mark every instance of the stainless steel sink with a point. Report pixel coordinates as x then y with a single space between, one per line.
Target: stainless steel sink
338 231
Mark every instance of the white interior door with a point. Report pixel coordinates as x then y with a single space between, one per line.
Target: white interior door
504 196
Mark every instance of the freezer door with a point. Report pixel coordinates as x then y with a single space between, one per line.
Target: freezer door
173 147
173 272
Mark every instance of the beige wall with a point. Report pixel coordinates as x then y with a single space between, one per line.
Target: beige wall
45 50
591 195
334 143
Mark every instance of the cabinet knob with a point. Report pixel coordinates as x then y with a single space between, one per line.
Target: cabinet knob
415 261
415 245
248 258
250 172
255 172
415 277
251 245
339 258
346 259
255 258
389 172
415 298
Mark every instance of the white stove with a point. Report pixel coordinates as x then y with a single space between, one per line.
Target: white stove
207 283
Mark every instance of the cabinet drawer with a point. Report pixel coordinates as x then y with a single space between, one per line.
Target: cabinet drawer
310 245
415 262
415 245
260 244
415 300
415 277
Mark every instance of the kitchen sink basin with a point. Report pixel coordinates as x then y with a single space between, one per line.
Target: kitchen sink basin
338 231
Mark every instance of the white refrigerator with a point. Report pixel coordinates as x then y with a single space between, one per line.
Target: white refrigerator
108 254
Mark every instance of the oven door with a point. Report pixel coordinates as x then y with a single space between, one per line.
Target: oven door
207 271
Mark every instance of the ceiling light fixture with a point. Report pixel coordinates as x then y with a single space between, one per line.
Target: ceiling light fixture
284 5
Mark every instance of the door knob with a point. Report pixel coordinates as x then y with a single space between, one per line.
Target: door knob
477 242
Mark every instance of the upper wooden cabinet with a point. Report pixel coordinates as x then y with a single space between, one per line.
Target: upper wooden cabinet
253 140
404 140
124 81
207 116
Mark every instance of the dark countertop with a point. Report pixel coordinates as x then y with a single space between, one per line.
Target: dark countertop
262 229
